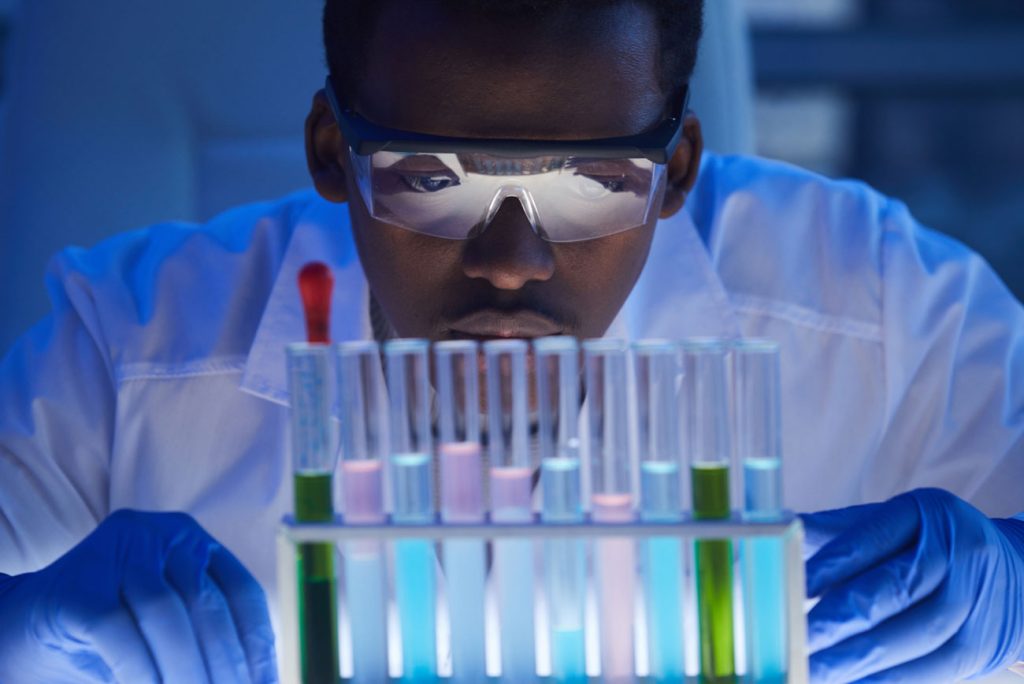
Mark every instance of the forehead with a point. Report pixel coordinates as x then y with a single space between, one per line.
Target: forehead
564 74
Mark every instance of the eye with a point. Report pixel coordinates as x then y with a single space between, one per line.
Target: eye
594 186
612 176
427 183
617 184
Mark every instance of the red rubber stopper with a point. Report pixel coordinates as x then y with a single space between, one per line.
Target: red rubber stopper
315 286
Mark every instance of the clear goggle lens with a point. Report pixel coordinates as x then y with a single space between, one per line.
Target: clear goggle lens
455 196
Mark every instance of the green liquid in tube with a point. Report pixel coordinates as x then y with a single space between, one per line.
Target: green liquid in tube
714 577
318 592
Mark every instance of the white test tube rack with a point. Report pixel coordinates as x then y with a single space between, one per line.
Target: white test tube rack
788 528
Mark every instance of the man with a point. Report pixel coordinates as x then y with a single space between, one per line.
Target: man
158 382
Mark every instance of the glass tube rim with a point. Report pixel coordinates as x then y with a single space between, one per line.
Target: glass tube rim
655 346
704 345
560 463
601 345
307 348
756 345
352 348
452 347
405 345
553 344
505 346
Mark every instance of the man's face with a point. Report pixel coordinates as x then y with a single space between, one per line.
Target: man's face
575 75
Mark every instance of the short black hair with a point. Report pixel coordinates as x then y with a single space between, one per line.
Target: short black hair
347 25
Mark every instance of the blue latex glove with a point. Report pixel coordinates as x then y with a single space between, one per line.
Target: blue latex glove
921 588
147 597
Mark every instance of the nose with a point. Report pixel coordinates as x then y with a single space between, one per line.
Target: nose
508 253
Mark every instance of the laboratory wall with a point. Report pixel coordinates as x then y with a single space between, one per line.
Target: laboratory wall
121 114
923 99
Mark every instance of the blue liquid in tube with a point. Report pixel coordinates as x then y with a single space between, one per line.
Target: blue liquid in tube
415 583
764 583
568 655
564 571
659 487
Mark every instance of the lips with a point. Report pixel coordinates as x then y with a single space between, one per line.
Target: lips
487 324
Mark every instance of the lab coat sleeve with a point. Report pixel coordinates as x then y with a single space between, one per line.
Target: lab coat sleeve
56 413
954 371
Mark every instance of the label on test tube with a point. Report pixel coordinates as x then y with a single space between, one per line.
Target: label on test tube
309 397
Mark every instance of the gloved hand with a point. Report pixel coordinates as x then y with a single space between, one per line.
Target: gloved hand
147 597
921 588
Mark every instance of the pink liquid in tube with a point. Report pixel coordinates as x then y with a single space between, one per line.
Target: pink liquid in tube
464 559
362 491
616 586
461 482
364 570
511 501
511 494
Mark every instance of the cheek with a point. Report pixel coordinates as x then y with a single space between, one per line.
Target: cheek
603 273
406 273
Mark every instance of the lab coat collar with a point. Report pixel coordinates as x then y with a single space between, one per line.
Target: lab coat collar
677 295
321 233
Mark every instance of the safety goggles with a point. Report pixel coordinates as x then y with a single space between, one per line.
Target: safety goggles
452 188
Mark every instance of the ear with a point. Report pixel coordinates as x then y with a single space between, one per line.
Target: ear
325 147
683 167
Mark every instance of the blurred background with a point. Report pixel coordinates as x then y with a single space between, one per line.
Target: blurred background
923 99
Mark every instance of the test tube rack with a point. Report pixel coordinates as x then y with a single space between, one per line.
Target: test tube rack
735 529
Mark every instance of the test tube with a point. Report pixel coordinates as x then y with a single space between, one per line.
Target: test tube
657 374
511 502
759 446
363 447
458 395
706 427
611 501
413 503
558 401
313 462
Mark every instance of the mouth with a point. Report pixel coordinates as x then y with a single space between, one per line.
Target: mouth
497 324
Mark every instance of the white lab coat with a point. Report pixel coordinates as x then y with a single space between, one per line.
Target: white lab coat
158 380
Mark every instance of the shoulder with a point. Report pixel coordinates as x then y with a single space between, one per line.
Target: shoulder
175 292
784 237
